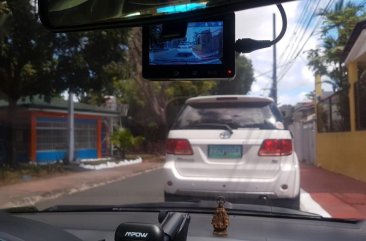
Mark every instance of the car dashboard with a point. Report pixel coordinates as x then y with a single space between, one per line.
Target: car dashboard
101 226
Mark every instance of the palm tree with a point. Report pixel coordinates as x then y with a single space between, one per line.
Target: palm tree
337 27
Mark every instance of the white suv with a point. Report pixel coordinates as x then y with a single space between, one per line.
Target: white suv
233 146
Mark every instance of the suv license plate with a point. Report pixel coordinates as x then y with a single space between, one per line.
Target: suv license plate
225 151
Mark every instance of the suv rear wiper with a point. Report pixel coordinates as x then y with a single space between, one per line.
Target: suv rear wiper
262 126
214 126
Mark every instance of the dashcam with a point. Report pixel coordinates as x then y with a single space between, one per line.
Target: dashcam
204 50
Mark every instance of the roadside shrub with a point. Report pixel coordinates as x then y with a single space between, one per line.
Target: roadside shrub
123 140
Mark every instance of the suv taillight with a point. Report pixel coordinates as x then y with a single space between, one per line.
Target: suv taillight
276 147
178 147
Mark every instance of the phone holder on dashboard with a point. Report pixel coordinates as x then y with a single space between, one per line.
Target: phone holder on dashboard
174 227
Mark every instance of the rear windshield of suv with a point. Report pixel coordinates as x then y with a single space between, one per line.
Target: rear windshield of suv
236 115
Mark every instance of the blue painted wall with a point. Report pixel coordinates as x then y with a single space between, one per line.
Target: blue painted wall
51 156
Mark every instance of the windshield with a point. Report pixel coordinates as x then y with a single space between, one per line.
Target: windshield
79 125
235 115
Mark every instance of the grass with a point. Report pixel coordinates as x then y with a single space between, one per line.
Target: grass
152 157
11 175
22 173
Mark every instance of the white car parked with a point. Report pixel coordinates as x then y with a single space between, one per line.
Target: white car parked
232 146
184 48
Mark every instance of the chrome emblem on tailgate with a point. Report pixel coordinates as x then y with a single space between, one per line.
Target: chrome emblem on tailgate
225 135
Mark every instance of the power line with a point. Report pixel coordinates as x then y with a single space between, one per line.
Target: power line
296 45
299 32
294 50
296 54
299 23
290 58
268 71
306 41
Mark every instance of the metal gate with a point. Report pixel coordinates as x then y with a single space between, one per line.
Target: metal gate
305 140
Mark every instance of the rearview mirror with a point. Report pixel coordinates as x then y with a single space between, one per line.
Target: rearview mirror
75 15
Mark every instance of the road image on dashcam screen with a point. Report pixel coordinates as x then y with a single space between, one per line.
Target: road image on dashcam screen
203 44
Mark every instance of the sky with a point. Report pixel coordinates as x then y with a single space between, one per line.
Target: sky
301 36
257 24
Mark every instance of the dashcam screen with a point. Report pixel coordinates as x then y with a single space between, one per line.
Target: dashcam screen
203 44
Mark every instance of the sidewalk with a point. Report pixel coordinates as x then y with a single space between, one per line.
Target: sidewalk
340 196
31 192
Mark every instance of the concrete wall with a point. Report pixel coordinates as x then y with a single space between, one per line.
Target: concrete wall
343 153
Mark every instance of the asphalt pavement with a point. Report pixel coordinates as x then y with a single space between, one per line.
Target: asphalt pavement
29 193
146 187
323 192
142 188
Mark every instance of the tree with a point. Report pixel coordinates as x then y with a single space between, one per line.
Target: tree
85 61
243 80
153 92
26 59
34 61
4 13
337 27
149 100
311 95
151 97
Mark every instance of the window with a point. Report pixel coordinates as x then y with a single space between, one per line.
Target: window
52 134
236 115
360 104
333 113
85 135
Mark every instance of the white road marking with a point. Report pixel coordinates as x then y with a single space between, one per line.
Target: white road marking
308 204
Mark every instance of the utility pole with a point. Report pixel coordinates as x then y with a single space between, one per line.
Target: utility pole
71 128
273 92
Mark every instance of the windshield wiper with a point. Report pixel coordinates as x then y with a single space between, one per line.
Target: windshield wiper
207 207
261 126
25 209
213 126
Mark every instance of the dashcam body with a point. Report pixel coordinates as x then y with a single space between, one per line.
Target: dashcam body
199 49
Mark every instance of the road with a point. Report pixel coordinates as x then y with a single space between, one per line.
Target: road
172 56
147 187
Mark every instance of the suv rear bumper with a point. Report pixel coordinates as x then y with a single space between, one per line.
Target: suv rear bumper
270 188
293 203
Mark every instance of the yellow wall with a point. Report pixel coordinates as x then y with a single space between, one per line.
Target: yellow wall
344 152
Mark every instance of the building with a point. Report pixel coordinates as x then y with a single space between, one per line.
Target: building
303 111
287 112
41 130
342 116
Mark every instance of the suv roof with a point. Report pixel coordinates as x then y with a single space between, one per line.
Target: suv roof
231 98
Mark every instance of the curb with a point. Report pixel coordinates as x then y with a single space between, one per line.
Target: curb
308 204
34 199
